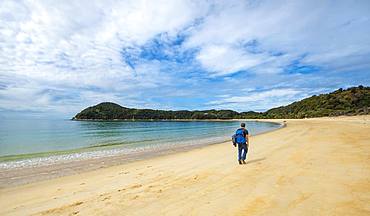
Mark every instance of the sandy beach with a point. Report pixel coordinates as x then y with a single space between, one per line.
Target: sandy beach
310 167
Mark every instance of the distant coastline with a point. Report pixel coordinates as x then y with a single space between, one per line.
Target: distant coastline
175 120
348 102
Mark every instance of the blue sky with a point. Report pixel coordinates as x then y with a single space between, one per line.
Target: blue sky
57 57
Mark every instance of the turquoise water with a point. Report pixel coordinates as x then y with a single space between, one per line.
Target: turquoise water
25 137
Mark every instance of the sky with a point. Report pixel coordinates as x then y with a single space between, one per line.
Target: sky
58 57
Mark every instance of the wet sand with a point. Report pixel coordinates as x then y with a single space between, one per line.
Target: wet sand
311 167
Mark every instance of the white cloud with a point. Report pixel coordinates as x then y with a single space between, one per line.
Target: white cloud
223 60
258 96
261 96
258 100
326 33
57 40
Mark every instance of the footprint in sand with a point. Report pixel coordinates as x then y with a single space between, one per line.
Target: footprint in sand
77 203
136 186
103 194
106 198
124 173
149 188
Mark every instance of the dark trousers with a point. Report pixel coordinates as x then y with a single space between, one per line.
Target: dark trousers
242 151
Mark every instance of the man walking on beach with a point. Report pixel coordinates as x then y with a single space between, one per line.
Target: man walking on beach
242 140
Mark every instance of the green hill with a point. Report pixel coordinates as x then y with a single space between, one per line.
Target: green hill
110 111
352 101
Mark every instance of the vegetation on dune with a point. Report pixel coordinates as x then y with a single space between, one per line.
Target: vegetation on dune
352 101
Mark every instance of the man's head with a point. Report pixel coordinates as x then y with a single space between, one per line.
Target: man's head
242 125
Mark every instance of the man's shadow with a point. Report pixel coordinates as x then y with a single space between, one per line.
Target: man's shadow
256 160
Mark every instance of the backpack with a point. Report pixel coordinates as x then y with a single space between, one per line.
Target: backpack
239 136
233 139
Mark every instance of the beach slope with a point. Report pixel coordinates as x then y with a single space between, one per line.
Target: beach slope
311 167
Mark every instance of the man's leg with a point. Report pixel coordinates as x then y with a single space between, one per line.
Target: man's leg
245 152
240 151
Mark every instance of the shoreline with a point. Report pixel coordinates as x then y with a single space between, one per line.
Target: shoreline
10 177
310 167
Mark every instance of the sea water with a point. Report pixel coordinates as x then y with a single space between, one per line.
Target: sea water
30 142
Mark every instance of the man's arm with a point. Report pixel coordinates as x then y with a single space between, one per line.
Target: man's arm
247 136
